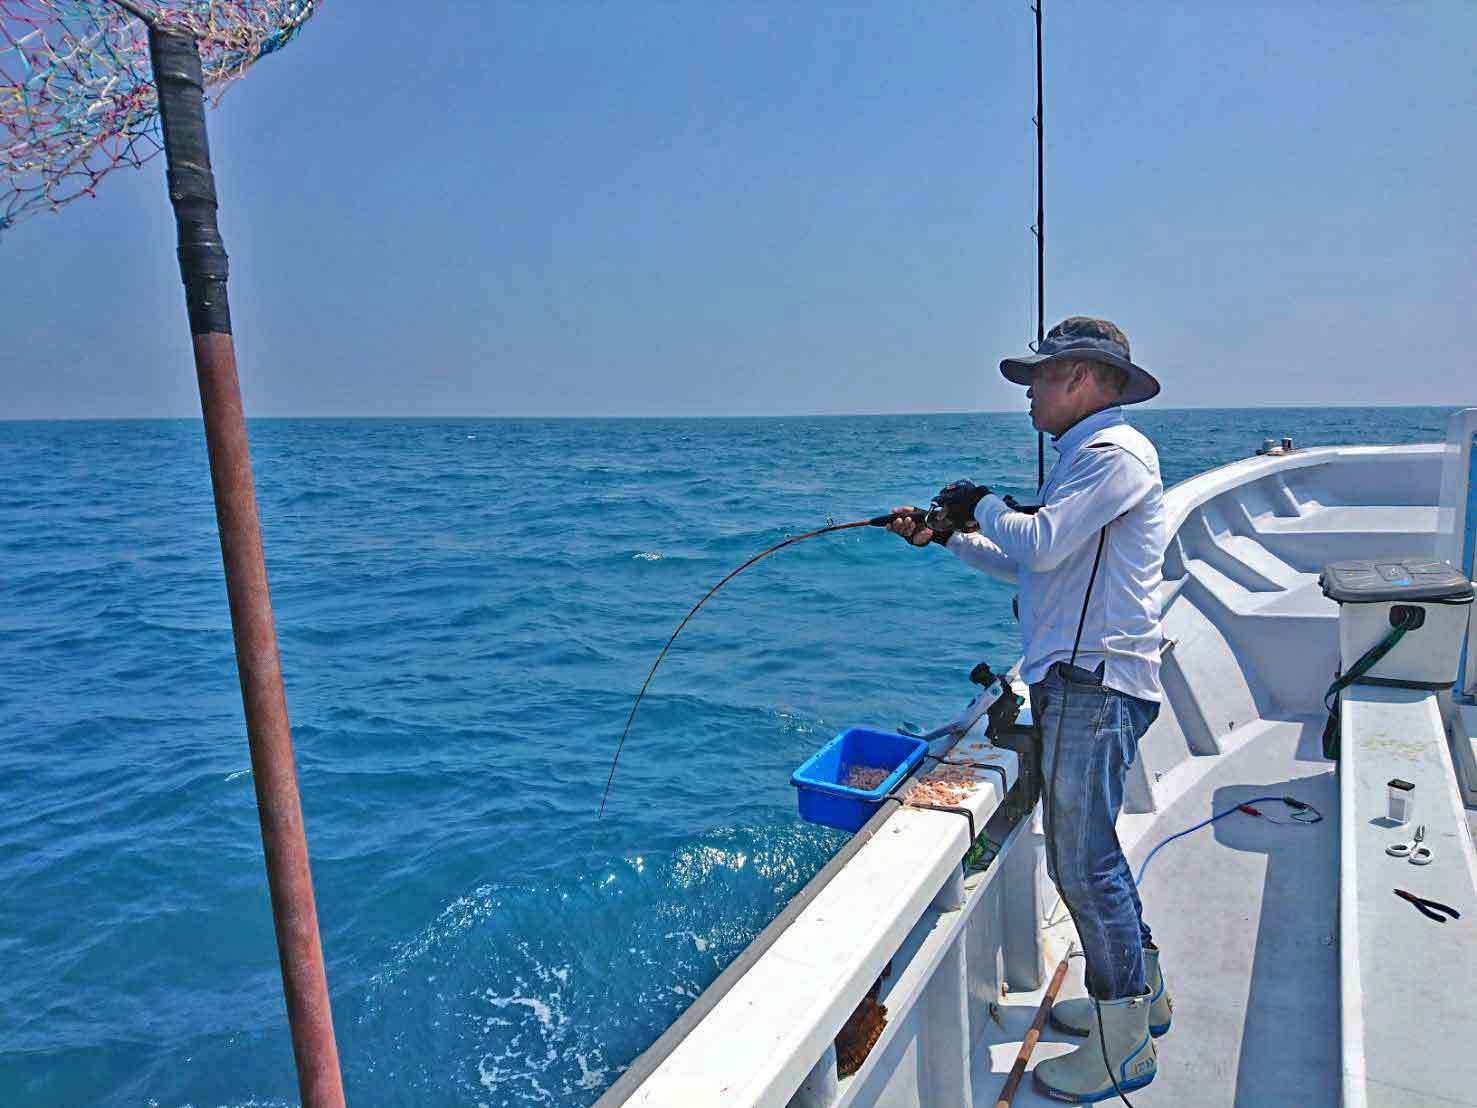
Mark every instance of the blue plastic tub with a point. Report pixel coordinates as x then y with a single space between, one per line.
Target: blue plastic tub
819 791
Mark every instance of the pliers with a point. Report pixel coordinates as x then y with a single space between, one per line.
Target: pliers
1429 908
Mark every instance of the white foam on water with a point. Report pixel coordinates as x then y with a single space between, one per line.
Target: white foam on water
488 1079
589 1079
498 1080
544 1013
238 773
458 917
648 556
792 724
697 940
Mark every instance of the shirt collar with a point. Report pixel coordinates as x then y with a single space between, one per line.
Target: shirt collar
1085 428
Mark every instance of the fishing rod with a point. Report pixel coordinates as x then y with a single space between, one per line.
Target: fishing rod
1039 230
941 515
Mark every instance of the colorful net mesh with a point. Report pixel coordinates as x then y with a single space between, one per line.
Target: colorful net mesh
77 97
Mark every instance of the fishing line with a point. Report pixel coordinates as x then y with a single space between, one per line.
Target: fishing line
875 521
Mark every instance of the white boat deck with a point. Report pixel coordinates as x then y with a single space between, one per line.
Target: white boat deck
1245 914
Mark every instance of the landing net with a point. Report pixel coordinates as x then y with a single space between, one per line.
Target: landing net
77 96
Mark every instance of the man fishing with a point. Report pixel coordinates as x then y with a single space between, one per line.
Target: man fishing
1087 565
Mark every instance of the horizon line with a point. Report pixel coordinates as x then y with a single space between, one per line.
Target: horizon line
792 415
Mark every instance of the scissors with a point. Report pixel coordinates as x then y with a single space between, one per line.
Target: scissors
1429 908
1416 850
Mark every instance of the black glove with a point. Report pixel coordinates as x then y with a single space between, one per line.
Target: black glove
941 537
953 507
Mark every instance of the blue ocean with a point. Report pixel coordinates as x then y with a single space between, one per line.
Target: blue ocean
466 609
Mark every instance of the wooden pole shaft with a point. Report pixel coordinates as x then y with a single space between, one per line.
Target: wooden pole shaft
284 843
1033 1036
203 268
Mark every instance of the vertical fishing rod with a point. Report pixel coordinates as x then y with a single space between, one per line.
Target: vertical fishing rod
1039 230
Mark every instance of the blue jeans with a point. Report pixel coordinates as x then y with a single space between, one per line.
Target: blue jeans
1089 737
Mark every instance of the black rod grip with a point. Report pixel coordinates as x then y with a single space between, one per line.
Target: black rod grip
202 254
917 515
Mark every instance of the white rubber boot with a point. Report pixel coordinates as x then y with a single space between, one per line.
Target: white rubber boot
1081 1077
1075 1016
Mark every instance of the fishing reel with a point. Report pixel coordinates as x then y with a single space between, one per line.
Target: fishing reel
952 508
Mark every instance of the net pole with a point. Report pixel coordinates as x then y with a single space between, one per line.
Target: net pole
203 267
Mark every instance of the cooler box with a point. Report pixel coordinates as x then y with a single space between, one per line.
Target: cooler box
1374 595
818 782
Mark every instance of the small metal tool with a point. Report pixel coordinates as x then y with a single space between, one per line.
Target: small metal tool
1416 850
1429 908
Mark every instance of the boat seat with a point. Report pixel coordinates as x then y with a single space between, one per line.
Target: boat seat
1284 641
1322 535
1304 599
1357 519
1405 980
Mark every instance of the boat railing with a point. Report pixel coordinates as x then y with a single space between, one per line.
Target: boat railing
894 920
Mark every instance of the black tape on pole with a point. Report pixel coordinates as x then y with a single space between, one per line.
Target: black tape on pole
202 254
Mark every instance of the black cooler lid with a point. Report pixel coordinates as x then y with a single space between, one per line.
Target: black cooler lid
1394 579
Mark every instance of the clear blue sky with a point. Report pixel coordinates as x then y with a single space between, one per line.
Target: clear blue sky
491 208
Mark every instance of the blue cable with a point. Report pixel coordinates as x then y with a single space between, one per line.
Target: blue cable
1300 805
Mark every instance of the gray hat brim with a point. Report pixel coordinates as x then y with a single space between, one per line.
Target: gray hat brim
1141 383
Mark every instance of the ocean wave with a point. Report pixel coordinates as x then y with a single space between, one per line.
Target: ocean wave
533 977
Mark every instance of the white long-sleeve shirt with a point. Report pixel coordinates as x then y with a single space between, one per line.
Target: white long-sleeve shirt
1106 473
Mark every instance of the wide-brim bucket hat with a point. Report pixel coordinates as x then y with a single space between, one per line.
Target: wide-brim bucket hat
1088 339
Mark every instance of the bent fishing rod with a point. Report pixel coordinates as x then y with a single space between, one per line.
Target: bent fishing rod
949 511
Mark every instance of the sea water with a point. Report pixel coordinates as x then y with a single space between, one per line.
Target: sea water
465 610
